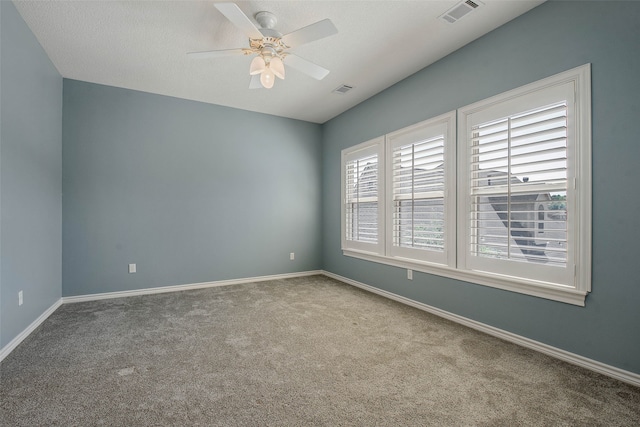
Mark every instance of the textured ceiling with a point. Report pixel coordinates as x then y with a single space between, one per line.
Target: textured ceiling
142 45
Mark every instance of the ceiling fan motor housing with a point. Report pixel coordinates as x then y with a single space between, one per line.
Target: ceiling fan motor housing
267 20
271 44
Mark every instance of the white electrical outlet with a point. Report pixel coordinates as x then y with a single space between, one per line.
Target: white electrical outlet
20 299
132 268
292 256
410 274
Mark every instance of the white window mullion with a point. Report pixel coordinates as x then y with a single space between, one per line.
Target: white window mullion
509 188
413 187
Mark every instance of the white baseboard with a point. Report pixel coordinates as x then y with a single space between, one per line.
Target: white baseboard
575 359
178 288
4 352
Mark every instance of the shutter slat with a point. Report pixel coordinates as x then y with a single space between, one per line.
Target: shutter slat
488 154
539 115
529 175
532 129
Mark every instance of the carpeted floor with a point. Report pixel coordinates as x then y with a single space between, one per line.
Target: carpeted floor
296 352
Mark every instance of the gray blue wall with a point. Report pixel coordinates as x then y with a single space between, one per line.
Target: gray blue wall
30 176
551 38
190 192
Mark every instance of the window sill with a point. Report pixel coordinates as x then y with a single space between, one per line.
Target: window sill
528 287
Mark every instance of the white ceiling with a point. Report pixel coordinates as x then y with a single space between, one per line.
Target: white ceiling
142 45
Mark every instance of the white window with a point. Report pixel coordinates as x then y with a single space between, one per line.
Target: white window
362 210
420 165
413 221
505 204
524 186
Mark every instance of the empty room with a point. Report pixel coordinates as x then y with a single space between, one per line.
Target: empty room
291 213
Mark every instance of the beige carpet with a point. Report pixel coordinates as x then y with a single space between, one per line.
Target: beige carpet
297 352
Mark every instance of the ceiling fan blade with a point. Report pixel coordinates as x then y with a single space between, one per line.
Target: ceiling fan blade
233 13
313 32
307 67
215 53
254 83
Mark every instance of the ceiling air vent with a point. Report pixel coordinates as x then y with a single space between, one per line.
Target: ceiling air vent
342 89
460 10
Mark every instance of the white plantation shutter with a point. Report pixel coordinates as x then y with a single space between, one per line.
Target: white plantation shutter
362 209
519 171
420 170
520 203
418 195
362 199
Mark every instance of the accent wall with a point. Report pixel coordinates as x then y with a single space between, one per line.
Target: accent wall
551 38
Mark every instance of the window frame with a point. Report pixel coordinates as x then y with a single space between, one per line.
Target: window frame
444 124
456 266
360 151
574 280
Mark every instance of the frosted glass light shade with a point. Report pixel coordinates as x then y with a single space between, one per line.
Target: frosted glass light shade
267 78
257 66
277 67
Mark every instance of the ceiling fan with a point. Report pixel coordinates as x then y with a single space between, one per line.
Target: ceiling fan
271 47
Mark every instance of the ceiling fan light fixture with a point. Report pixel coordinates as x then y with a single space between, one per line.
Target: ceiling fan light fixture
277 67
257 66
269 45
267 78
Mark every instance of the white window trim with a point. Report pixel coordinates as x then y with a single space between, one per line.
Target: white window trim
534 288
576 294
